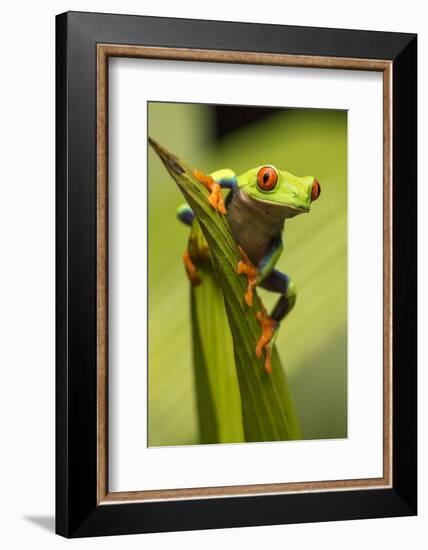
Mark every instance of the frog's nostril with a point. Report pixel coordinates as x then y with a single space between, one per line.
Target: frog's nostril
316 190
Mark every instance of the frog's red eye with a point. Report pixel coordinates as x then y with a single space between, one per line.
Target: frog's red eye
316 190
267 178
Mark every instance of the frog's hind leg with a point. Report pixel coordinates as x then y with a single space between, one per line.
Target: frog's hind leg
191 270
280 283
186 215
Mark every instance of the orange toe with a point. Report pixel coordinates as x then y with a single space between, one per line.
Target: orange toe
246 267
268 326
215 198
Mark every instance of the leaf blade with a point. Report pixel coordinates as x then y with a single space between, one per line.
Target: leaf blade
267 409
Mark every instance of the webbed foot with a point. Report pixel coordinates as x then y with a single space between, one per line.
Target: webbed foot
245 266
215 198
269 327
191 271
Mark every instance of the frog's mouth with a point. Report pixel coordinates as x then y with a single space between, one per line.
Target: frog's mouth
288 211
291 211
273 208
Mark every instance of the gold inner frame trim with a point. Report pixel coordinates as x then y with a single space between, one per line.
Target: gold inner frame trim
104 51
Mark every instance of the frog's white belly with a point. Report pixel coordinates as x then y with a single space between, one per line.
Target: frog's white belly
254 224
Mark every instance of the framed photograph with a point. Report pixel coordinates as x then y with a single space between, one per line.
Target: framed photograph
236 274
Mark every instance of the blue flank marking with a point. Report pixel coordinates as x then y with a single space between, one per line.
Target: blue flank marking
265 260
268 256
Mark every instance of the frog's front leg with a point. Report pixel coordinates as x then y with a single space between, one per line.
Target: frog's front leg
215 182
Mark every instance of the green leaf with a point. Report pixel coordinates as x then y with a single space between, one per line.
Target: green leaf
268 412
217 390
207 416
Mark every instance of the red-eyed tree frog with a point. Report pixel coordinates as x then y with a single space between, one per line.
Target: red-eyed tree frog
256 207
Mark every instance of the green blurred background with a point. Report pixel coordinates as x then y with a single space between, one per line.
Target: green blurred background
313 339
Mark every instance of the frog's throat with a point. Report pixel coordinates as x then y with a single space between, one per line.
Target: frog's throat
254 224
260 216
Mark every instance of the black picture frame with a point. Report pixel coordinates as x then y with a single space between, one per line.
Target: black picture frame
78 513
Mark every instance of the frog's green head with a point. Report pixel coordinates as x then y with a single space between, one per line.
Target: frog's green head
269 185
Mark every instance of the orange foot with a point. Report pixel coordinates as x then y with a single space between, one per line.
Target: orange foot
245 266
194 278
215 198
269 327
